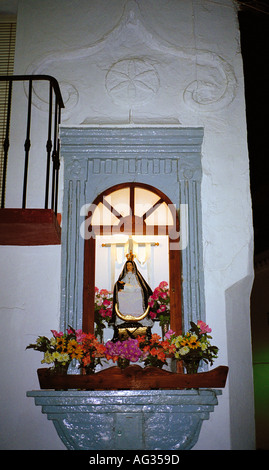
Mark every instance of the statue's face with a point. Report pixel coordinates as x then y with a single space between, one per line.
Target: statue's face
129 267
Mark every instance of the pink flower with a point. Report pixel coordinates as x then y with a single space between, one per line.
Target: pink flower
169 334
151 303
152 315
104 292
109 312
162 308
80 335
163 285
106 303
163 295
56 334
203 327
96 290
154 296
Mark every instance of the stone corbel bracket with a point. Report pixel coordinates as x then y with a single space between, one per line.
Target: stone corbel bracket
129 420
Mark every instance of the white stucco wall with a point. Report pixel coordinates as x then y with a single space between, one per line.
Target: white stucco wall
181 65
30 304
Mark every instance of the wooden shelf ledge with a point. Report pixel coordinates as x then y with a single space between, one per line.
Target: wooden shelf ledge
133 378
28 227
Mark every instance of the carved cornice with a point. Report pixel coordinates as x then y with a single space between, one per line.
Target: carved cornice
127 140
132 151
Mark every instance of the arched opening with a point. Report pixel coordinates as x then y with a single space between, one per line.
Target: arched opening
133 210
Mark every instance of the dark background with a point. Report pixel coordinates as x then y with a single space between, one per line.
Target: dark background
254 22
254 29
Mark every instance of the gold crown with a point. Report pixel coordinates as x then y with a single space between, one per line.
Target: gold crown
130 256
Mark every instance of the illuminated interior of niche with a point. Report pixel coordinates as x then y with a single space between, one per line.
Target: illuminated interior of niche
117 204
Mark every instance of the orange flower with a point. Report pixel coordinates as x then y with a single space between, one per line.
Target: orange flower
154 352
161 355
100 349
114 358
86 360
170 348
146 348
141 339
155 338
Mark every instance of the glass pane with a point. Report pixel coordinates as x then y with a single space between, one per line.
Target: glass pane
103 216
120 201
160 216
144 200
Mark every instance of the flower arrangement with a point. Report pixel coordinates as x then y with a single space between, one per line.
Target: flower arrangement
155 351
128 350
159 303
191 348
102 310
194 346
92 352
60 349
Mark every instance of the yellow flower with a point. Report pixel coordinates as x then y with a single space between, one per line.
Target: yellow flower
74 349
60 343
56 356
48 359
72 344
77 353
60 357
193 343
193 337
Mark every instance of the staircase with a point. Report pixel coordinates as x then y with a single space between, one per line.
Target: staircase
22 225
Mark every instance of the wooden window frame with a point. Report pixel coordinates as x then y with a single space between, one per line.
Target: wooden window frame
7 54
131 228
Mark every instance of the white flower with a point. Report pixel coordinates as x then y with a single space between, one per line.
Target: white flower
65 357
184 350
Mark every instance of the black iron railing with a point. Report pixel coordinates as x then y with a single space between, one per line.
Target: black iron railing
52 144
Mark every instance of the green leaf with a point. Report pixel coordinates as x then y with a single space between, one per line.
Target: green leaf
194 328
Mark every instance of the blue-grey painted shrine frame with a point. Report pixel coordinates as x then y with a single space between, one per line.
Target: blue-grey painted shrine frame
97 158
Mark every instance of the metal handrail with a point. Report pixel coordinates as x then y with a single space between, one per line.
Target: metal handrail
52 143
23 78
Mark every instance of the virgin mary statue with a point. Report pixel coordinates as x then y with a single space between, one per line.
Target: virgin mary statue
130 296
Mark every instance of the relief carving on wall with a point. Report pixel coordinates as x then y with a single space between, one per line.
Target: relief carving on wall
132 80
